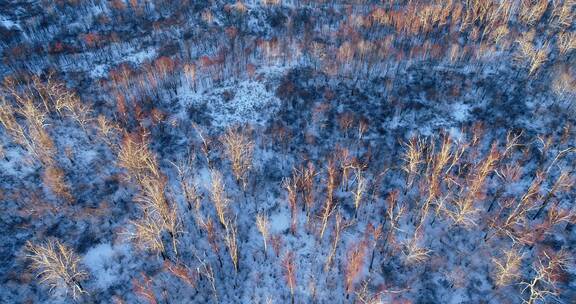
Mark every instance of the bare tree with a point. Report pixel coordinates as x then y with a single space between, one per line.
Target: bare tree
231 240
158 208
543 285
291 186
358 192
532 11
355 260
340 226
329 204
137 159
566 42
147 234
507 268
534 56
465 210
55 179
290 273
182 272
205 269
106 129
414 253
307 182
239 148
144 289
58 266
206 144
262 225
219 198
412 160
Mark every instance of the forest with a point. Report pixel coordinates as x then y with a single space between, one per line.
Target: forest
288 151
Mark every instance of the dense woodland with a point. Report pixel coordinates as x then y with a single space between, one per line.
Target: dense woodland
270 151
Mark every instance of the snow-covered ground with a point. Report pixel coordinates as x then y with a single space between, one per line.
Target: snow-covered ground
314 83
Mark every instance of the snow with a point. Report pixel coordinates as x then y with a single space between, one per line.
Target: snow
279 222
403 99
460 111
203 178
98 70
102 263
17 164
141 56
7 23
133 56
251 102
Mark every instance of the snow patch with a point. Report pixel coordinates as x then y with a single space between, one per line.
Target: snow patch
142 56
248 101
7 23
279 222
460 111
100 70
100 260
